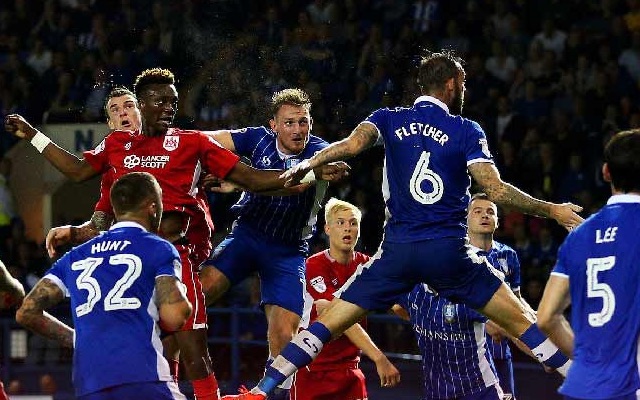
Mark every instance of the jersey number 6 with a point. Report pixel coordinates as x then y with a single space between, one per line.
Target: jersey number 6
422 173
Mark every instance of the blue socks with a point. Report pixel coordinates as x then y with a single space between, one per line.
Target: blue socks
545 351
304 347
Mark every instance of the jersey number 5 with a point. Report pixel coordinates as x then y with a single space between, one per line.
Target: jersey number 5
422 173
113 300
600 289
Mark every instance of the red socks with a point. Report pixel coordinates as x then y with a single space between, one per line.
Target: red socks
206 388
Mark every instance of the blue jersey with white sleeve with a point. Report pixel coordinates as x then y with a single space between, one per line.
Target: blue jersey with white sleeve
288 219
504 259
601 260
111 283
451 337
425 178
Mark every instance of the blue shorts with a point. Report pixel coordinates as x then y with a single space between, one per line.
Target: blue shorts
447 265
136 391
281 266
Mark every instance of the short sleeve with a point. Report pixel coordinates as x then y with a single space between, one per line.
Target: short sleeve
98 158
245 140
476 147
168 260
379 119
514 264
318 280
216 159
58 273
561 267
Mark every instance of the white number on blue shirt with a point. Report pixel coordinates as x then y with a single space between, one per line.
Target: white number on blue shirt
599 289
422 173
113 300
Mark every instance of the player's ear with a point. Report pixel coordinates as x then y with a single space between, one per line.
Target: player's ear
272 125
606 174
450 84
110 123
326 228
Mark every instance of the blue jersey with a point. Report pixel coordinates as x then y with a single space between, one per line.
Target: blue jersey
111 283
451 337
285 218
504 259
425 180
601 260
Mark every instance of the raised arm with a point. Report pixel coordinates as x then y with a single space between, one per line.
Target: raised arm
505 194
223 137
11 290
361 138
75 235
32 315
74 168
173 306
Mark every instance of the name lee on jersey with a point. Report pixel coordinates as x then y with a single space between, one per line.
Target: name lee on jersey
109 245
418 128
609 235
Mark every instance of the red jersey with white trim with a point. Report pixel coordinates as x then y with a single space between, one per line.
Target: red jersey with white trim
175 159
325 276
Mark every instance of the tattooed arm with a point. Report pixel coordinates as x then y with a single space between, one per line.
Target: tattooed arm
75 235
505 194
32 316
11 290
361 138
171 299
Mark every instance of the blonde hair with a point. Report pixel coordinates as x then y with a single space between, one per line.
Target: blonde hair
334 205
294 97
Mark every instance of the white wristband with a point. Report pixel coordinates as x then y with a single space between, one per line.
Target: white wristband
310 177
40 141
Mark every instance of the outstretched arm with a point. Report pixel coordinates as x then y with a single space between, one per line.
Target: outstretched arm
75 235
72 167
505 194
32 316
11 290
361 138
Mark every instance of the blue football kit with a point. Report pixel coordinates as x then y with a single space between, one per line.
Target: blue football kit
270 233
110 281
601 259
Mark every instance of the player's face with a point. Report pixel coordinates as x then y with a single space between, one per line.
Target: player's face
458 98
292 125
482 217
158 106
123 113
343 231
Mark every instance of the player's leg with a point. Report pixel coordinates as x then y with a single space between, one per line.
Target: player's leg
493 392
377 285
191 342
214 283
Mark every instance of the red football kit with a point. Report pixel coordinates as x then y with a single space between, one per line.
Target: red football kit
176 160
337 364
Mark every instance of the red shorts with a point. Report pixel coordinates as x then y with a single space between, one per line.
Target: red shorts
191 280
199 237
340 383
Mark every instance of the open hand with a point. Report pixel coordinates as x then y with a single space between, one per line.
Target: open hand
58 236
566 215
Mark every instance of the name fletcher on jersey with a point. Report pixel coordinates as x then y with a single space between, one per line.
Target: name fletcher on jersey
418 128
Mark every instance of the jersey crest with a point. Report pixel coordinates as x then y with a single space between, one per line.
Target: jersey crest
171 142
449 312
318 284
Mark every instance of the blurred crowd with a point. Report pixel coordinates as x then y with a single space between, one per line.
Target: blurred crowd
548 80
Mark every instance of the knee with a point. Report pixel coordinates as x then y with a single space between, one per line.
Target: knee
214 283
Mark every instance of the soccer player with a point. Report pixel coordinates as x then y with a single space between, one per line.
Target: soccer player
456 361
176 158
271 232
482 222
337 366
124 285
597 272
11 294
430 150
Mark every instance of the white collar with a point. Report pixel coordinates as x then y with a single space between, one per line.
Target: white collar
127 224
624 198
433 100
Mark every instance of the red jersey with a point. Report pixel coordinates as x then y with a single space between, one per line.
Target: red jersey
324 277
176 160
